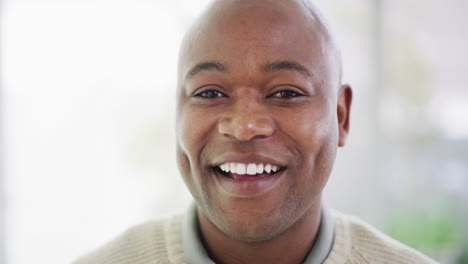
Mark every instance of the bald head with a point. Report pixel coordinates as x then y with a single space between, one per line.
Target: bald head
262 23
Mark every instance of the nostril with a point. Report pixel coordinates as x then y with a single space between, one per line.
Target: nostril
246 127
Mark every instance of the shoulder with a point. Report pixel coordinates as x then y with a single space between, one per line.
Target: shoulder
357 242
157 241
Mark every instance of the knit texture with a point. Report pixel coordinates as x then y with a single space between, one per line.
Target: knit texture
160 242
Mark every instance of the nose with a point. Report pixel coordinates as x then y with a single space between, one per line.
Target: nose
247 119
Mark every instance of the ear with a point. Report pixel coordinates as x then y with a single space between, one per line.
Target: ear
345 98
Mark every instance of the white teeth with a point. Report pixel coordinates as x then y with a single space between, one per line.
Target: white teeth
260 168
240 168
250 168
233 167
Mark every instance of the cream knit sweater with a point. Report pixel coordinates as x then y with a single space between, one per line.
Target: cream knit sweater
159 242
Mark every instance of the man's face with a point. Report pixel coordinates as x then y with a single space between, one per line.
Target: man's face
256 121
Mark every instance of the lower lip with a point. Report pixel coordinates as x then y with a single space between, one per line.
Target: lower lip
248 186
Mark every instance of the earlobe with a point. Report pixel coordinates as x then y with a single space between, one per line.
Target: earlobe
345 98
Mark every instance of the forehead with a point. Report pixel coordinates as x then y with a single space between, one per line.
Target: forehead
258 32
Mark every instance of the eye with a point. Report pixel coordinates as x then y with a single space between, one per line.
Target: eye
209 94
286 94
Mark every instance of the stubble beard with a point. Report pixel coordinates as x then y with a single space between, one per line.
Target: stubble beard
253 231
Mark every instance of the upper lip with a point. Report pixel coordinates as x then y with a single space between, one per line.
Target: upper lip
247 158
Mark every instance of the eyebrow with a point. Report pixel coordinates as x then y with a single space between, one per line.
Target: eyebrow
286 65
208 66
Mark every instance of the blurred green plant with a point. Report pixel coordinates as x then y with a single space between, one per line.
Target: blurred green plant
437 231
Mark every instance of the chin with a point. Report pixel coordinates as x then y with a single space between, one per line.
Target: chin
252 226
251 230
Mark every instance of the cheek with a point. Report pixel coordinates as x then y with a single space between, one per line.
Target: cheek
321 154
194 127
310 127
184 166
314 132
188 137
191 132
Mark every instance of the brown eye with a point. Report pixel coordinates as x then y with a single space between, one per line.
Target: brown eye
210 94
286 94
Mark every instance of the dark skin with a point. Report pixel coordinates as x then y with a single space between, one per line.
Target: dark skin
259 82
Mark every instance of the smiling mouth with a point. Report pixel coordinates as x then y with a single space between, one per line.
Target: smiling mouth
247 171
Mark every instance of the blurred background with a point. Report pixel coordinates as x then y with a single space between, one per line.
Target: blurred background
87 121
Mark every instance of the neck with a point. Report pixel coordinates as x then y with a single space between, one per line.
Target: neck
291 246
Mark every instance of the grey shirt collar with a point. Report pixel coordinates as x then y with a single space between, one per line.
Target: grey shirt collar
195 253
